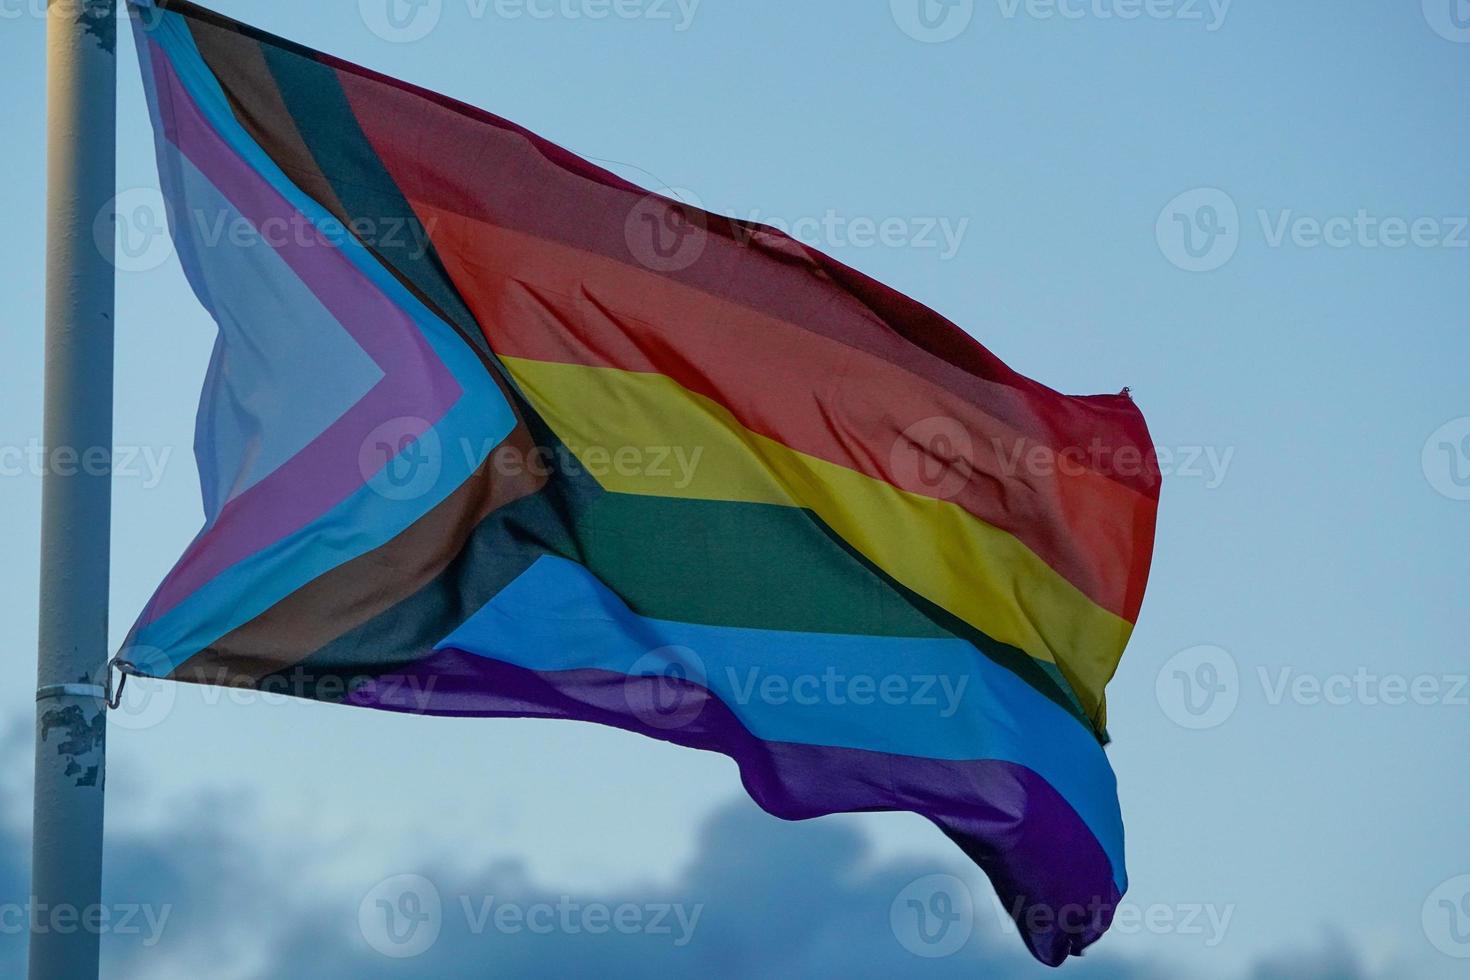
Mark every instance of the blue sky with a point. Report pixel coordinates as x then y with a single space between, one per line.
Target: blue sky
1255 214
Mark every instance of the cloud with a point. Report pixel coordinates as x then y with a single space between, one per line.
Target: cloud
1334 961
220 899
765 898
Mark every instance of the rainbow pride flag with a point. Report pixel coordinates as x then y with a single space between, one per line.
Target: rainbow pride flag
491 431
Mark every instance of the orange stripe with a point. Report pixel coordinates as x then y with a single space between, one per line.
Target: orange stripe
540 300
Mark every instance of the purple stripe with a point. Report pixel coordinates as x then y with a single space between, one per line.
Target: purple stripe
416 383
1049 871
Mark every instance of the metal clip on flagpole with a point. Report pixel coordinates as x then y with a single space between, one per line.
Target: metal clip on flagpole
108 693
120 668
66 854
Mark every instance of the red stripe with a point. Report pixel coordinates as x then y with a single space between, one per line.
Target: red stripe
457 158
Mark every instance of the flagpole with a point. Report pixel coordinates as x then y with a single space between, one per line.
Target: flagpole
66 917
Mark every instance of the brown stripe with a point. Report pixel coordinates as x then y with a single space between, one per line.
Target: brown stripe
355 592
239 64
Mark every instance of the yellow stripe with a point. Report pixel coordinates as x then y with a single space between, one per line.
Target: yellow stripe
978 572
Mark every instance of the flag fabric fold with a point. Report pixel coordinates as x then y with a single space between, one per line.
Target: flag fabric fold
489 431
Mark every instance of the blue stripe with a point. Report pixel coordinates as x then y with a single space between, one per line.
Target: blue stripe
809 688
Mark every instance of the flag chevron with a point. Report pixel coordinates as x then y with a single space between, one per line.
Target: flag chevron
481 439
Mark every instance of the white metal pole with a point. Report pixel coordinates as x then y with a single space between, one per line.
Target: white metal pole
66 873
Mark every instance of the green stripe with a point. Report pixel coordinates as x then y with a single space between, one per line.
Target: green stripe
760 566
763 566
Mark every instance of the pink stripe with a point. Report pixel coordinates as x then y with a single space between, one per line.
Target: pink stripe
416 383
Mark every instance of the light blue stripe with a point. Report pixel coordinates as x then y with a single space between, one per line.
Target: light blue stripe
558 616
267 395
